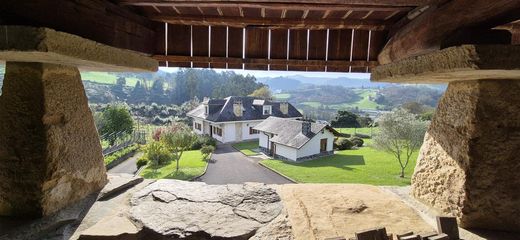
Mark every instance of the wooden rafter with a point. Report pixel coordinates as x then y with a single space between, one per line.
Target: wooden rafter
273 23
407 3
264 61
428 31
272 6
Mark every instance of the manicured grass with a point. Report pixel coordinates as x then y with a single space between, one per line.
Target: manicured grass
282 96
106 78
190 166
351 131
247 147
364 165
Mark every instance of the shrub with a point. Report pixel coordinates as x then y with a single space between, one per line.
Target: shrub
157 154
120 153
343 144
206 150
203 140
358 142
359 135
143 161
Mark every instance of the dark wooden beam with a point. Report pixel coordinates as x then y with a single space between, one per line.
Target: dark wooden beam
265 61
343 2
428 31
271 5
273 23
98 20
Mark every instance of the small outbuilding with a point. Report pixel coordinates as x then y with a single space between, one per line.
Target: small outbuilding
295 140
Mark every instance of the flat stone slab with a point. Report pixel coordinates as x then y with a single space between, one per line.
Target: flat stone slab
115 227
30 44
461 63
178 209
118 183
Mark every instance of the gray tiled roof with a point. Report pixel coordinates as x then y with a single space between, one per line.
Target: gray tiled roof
289 131
221 110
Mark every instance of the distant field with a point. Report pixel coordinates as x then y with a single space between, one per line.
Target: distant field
364 103
312 104
106 78
282 96
366 131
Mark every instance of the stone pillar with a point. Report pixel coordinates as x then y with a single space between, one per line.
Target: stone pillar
50 155
469 164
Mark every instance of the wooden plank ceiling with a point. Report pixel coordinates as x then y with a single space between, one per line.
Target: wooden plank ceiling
336 36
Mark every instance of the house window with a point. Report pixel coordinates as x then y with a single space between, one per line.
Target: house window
206 109
253 131
217 131
198 126
267 110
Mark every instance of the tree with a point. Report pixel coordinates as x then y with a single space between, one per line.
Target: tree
400 133
263 93
118 88
178 138
115 119
345 119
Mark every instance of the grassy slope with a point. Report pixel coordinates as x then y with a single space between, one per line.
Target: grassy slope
106 78
364 103
191 165
282 96
365 165
247 147
356 130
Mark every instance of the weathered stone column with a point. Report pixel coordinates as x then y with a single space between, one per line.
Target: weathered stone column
469 164
50 153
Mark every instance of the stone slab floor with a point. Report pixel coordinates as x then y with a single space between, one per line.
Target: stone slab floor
170 209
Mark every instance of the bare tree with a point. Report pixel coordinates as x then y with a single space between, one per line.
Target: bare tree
400 133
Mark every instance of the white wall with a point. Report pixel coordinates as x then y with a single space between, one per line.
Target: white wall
228 132
288 152
199 121
245 130
313 146
262 140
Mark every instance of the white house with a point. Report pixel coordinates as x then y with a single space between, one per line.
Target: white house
295 140
233 119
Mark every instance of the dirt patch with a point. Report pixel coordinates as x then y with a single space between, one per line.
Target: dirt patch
318 211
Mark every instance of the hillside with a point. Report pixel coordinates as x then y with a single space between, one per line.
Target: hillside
296 81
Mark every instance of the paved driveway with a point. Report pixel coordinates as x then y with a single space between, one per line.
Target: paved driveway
128 166
231 166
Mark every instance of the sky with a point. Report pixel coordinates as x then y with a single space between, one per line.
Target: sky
260 73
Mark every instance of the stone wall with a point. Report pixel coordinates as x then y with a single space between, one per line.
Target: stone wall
469 163
50 155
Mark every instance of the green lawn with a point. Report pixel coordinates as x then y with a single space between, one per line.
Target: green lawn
357 130
365 165
312 104
191 165
282 96
106 78
247 147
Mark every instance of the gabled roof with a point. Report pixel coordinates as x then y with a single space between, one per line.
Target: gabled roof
288 132
221 110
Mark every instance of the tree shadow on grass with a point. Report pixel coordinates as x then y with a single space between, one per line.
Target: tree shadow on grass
338 161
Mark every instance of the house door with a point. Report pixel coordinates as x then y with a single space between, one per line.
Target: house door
323 145
273 149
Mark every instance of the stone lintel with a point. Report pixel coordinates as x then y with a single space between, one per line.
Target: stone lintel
30 44
460 63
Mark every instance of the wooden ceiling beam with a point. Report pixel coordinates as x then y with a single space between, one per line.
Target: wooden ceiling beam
408 3
273 23
265 61
427 32
271 6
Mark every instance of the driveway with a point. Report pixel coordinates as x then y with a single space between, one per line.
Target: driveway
128 166
231 166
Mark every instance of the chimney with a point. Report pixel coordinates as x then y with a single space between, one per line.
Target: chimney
306 127
238 108
284 108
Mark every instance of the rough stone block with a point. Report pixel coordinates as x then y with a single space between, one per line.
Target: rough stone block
469 163
449 226
50 155
372 234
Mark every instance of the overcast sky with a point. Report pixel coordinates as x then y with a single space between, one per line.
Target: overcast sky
260 73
